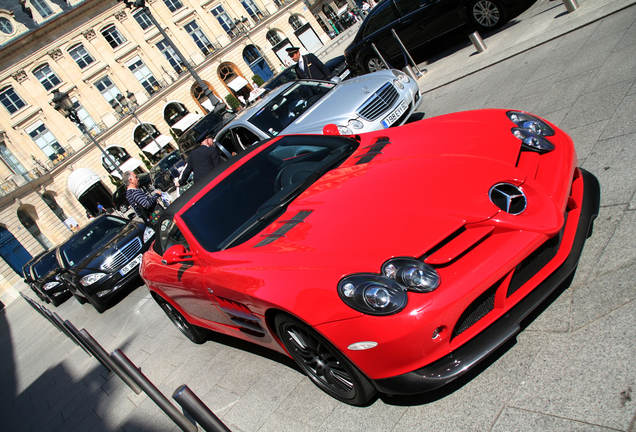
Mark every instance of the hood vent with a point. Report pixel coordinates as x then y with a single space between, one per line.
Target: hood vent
287 225
373 150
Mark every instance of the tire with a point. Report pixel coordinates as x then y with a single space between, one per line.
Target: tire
486 14
374 64
123 208
323 363
196 334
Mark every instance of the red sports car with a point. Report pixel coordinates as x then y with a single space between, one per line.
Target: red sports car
392 261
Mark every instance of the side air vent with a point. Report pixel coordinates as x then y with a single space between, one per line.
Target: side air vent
286 226
241 316
373 150
477 310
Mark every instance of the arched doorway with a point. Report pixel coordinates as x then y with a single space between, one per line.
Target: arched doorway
234 81
49 198
12 252
152 142
122 159
27 215
173 112
88 189
305 33
257 63
200 98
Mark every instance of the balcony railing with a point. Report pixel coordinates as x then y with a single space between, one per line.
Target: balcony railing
7 187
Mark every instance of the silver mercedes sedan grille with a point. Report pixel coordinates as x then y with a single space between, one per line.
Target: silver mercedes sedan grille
122 256
379 103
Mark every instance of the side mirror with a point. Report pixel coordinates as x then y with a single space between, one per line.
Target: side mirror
176 254
336 80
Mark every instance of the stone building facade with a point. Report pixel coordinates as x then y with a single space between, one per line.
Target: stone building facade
52 174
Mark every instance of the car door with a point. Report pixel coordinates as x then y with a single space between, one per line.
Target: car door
424 20
378 31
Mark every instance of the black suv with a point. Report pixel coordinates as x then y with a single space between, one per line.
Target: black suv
418 23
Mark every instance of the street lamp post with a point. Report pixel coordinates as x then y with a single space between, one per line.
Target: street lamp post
217 105
128 105
65 106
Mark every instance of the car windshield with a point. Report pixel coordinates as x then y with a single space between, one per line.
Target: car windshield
166 163
282 109
251 197
87 241
45 265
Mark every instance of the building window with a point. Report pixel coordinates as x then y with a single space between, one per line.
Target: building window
170 54
252 10
47 142
46 76
42 7
107 89
112 36
223 18
199 37
273 37
11 100
5 26
173 5
295 22
81 56
142 19
143 75
8 158
86 119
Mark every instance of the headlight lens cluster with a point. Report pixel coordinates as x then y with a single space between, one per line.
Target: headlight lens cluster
91 278
351 125
50 285
531 131
148 233
401 76
386 293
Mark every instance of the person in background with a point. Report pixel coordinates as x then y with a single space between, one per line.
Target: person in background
100 209
201 161
144 204
308 66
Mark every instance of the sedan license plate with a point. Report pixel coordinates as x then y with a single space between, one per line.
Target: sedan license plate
392 118
131 265
345 74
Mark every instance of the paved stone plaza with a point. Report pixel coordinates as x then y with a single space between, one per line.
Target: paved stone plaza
571 369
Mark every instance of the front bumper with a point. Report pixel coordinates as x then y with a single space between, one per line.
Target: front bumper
111 283
458 362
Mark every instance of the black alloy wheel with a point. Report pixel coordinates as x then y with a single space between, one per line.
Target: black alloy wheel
374 64
486 14
324 364
196 334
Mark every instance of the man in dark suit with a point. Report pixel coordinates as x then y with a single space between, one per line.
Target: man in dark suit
201 160
308 66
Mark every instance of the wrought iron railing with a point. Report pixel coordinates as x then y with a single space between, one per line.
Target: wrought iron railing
7 187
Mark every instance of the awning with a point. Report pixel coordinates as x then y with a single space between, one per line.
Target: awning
255 94
157 144
187 121
237 83
130 165
81 180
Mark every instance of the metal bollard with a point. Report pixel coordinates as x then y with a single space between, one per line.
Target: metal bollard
152 391
571 5
198 410
479 43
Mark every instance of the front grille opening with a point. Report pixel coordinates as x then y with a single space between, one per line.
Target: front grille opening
122 256
536 261
379 103
477 310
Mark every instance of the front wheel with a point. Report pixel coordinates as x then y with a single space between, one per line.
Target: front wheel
486 14
374 64
323 363
192 332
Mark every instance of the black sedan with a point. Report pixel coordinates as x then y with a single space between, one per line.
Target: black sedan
102 258
166 170
28 277
44 273
419 24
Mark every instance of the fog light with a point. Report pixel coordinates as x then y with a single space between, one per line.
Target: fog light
438 333
103 293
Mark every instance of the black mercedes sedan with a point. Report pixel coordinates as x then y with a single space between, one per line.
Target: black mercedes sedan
102 258
44 275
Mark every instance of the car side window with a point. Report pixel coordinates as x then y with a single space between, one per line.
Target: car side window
405 7
170 235
244 137
383 15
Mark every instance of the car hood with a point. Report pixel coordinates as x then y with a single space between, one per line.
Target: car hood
93 262
347 96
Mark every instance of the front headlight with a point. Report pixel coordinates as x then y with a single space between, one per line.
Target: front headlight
91 278
530 123
372 294
401 76
398 84
413 274
344 130
148 233
532 141
50 285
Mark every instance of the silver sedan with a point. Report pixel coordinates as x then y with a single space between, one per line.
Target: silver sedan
371 102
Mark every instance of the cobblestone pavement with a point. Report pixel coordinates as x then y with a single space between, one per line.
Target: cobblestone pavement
571 369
